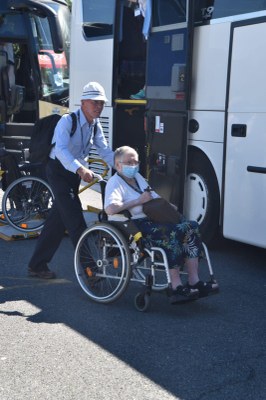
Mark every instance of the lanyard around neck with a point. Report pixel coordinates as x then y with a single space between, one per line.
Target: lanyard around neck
137 189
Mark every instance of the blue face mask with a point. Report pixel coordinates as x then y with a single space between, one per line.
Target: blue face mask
130 171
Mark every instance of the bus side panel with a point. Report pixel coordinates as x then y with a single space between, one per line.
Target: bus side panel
245 173
88 61
209 138
210 63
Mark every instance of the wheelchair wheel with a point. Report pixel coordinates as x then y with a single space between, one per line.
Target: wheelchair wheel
102 263
26 203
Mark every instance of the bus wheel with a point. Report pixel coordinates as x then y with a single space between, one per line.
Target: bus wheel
202 200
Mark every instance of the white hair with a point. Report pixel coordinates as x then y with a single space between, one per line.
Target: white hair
121 151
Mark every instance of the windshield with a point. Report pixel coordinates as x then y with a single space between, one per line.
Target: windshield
54 67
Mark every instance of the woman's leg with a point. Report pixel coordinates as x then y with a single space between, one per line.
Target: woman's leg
175 277
192 265
172 239
204 288
180 293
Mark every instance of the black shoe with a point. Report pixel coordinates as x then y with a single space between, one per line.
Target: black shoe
182 294
205 288
42 274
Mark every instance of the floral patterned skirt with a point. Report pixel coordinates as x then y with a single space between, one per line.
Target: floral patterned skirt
179 241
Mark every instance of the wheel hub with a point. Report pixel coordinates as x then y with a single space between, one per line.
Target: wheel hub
195 200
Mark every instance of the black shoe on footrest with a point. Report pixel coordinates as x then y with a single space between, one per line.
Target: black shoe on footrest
205 288
182 294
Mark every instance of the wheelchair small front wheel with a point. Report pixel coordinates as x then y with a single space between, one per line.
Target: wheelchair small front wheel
142 301
102 263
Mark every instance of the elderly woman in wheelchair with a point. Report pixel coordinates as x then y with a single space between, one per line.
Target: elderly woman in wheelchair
110 254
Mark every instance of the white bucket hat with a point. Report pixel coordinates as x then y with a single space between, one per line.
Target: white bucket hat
93 91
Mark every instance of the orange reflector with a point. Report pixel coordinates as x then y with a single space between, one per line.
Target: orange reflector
2 216
89 272
115 262
24 226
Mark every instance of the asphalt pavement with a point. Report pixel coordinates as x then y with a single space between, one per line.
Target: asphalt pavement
57 344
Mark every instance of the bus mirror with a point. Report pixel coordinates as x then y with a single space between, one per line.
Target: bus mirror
42 10
56 34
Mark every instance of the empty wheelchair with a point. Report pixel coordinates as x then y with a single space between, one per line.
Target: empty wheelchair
110 255
26 203
28 198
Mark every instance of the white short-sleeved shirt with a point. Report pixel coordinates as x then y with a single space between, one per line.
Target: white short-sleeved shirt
119 192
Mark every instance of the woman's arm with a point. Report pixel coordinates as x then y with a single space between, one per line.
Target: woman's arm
115 208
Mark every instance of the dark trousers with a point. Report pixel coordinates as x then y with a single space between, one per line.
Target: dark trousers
65 215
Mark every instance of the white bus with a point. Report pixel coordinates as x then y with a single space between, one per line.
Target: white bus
202 66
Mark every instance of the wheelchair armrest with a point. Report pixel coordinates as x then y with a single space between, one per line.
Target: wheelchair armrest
27 166
117 218
126 214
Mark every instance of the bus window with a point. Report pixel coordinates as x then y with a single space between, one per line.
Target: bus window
168 12
12 26
226 8
98 18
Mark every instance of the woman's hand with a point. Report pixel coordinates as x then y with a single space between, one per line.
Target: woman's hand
144 197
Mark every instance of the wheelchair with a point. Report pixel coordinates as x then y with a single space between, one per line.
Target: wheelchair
109 255
28 198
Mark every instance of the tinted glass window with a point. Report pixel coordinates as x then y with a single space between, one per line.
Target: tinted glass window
167 12
12 26
98 17
225 8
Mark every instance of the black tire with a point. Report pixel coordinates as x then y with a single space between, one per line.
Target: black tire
102 263
26 203
202 199
142 302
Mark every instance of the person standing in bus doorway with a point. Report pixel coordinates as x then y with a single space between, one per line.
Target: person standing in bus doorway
65 169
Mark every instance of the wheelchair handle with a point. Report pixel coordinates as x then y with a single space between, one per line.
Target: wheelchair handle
97 177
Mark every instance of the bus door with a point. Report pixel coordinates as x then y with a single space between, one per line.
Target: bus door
107 45
129 80
167 89
244 217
